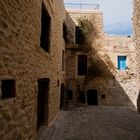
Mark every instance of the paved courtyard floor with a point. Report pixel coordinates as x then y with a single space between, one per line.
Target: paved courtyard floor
94 123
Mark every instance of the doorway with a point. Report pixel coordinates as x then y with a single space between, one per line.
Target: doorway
42 102
92 97
62 103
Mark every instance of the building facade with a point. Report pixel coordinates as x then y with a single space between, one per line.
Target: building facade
106 73
31 73
44 66
136 29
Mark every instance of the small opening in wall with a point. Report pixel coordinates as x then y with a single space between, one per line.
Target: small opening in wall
8 89
79 36
63 60
45 29
64 31
103 96
82 64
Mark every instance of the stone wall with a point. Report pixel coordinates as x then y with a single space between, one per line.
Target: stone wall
115 87
23 60
136 29
126 79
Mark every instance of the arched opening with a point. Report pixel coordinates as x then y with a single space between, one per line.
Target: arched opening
92 97
62 103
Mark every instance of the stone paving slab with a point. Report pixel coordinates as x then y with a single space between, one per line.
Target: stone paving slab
94 123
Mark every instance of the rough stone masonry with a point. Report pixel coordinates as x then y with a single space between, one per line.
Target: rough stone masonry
23 62
27 69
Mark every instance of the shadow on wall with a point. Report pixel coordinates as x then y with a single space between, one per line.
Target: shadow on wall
101 77
100 68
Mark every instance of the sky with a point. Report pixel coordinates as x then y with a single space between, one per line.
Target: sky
117 15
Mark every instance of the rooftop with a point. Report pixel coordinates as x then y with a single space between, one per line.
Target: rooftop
80 6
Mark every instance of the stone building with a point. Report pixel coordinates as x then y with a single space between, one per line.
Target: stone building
136 29
43 67
96 73
32 73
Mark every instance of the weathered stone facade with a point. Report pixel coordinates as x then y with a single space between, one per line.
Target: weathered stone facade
136 29
25 62
126 79
25 67
114 87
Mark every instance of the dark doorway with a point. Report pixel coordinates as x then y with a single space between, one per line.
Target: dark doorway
42 101
92 97
62 103
70 95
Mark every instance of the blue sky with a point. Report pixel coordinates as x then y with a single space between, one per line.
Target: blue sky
117 15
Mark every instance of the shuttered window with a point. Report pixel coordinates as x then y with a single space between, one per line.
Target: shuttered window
121 62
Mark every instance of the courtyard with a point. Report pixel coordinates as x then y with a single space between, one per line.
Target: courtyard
94 123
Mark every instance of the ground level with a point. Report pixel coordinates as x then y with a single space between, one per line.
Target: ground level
94 123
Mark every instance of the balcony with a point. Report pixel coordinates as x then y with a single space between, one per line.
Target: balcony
82 6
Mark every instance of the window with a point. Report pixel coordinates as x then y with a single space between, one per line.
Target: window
8 89
103 96
45 29
79 36
63 60
121 62
64 31
82 64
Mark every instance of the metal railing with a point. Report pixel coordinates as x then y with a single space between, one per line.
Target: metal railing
82 6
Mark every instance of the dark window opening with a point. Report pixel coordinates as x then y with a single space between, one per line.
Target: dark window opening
42 102
103 96
79 35
82 64
70 94
63 60
45 29
8 89
65 32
